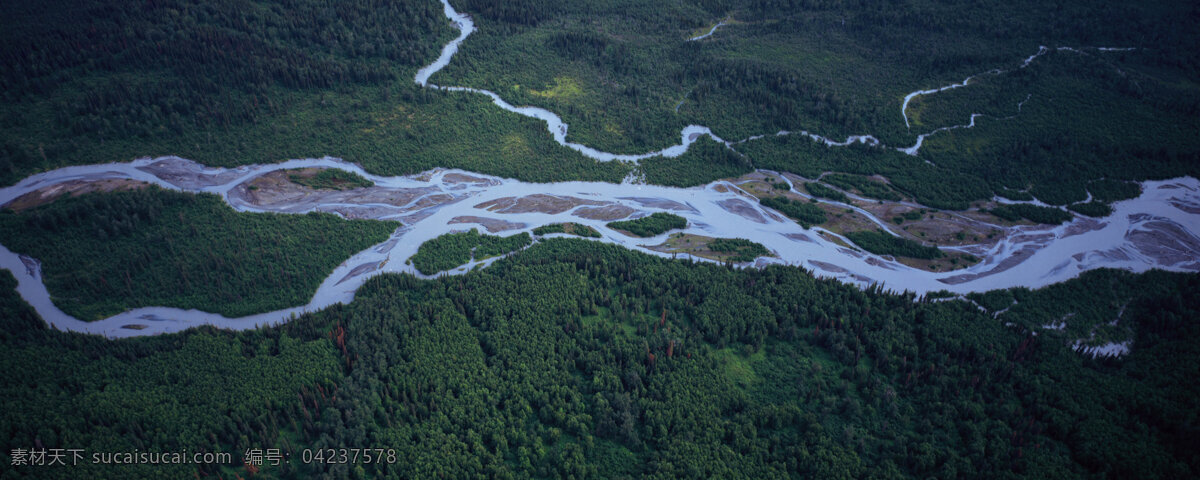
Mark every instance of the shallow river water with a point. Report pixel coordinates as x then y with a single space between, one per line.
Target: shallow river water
1157 230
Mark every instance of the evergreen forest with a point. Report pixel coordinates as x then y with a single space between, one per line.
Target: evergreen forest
652 225
806 214
104 253
453 249
579 359
882 243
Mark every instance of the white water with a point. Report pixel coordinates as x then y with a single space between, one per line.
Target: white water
1054 254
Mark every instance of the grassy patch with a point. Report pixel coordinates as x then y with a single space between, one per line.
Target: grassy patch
738 368
565 88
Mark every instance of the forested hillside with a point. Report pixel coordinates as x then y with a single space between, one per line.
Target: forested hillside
574 358
203 390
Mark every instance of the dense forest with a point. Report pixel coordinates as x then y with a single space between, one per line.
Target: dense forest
882 243
824 191
705 162
655 224
806 214
1091 209
203 390
1034 213
571 228
331 179
742 250
453 249
575 358
104 253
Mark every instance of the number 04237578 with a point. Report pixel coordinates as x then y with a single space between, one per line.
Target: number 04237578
348 455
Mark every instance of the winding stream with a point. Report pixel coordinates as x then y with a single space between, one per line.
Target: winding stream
1157 230
710 33
554 123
